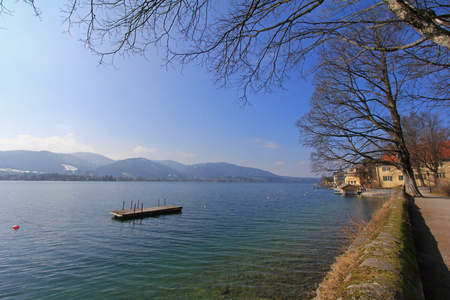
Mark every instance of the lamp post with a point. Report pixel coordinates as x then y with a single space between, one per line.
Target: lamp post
429 180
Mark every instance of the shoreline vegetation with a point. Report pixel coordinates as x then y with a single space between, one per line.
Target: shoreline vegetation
381 261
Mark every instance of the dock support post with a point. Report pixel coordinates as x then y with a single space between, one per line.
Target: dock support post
135 207
164 201
158 201
131 205
142 207
123 205
138 204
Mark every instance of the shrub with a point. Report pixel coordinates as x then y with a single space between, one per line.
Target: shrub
444 189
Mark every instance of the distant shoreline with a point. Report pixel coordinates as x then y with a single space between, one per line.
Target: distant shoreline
65 177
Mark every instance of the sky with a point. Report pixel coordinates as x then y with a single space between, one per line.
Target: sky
55 96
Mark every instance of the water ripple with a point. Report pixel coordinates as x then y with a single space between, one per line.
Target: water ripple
231 240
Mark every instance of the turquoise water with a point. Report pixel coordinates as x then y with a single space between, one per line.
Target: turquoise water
232 240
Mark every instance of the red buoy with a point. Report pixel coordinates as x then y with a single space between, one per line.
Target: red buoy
16 227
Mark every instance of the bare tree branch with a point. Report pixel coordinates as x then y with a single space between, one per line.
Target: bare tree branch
425 21
254 45
354 115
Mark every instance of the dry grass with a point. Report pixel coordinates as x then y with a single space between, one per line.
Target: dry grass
444 189
379 218
333 285
353 229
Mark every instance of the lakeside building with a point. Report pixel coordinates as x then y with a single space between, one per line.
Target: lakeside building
361 175
339 178
327 181
388 176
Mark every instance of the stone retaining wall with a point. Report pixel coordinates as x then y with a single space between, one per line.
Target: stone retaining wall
381 263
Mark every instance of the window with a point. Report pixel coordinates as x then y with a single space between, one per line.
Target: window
385 168
441 175
400 177
440 164
387 178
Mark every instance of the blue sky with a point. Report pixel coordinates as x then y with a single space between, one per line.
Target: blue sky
54 96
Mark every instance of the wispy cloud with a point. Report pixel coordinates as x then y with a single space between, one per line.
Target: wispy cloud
301 163
279 163
266 144
141 150
271 145
60 144
185 155
138 151
152 154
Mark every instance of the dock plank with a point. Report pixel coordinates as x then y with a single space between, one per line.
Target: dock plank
146 211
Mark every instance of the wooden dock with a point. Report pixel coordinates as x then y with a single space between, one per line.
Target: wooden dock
146 211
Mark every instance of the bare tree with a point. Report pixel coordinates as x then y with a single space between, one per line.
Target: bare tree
355 110
255 45
428 140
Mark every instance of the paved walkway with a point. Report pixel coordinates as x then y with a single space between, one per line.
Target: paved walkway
430 218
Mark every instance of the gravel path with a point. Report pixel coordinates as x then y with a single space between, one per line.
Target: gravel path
430 218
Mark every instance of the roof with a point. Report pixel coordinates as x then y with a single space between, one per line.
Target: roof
348 187
444 148
445 152
389 158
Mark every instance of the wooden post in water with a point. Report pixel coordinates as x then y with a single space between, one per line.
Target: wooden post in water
123 205
138 204
142 207
131 205
135 207
158 201
164 201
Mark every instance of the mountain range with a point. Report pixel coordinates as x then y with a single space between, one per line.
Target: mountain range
95 165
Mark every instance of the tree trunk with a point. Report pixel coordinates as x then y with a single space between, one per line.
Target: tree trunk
408 176
403 155
420 20
436 178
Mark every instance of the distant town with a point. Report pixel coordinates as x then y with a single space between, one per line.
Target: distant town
66 177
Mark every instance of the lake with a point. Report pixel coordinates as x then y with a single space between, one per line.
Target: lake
232 240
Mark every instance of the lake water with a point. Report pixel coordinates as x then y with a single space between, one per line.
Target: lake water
232 240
